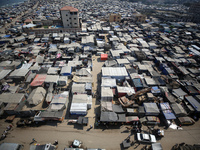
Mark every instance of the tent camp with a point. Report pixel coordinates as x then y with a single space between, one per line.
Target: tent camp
151 109
36 96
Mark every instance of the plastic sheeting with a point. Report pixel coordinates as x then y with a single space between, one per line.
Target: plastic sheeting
38 80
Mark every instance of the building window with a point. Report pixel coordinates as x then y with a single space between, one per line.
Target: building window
70 18
75 23
118 17
68 25
67 20
71 13
75 13
74 18
66 14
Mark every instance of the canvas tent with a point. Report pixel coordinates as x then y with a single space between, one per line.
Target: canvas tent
36 96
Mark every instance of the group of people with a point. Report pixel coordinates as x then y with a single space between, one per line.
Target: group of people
3 136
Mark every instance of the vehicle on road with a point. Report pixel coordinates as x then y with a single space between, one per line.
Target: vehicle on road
146 138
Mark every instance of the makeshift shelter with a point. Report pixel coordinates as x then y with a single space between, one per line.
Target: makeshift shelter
36 96
104 57
83 98
66 71
82 120
53 71
108 82
78 109
12 98
4 73
186 120
151 109
78 88
20 74
193 102
49 115
39 59
10 146
156 146
119 73
122 91
130 119
137 83
178 110
59 102
106 94
179 93
79 79
167 112
84 72
51 78
118 109
38 80
108 117
106 106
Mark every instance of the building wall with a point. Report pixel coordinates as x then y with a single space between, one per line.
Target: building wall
70 19
114 18
140 18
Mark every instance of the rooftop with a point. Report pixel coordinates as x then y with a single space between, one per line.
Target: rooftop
71 9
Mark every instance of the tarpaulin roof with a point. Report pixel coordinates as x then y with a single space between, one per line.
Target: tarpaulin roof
169 115
19 73
4 73
195 104
117 108
114 71
38 80
132 118
51 79
11 97
106 106
178 109
108 82
78 88
108 117
165 106
151 108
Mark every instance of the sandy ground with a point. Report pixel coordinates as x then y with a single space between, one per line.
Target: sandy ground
109 139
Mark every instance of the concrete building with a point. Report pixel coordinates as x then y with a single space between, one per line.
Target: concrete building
70 17
114 18
139 18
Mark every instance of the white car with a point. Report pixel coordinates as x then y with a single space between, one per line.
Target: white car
146 138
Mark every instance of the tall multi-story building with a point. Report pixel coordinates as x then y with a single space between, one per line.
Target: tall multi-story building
70 17
114 18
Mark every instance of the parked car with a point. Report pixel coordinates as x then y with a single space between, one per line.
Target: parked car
146 138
